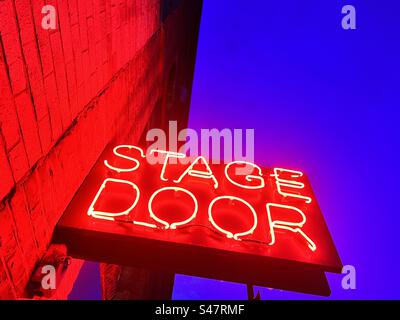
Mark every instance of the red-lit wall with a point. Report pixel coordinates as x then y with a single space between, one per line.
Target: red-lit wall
66 94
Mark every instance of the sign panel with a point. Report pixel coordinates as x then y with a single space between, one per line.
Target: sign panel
235 222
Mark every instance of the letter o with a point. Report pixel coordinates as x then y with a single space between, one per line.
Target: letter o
175 224
229 234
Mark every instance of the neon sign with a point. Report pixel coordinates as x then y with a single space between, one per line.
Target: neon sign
237 213
207 174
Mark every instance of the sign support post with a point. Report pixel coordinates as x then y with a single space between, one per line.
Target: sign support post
130 283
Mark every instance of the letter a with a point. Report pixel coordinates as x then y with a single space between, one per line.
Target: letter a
49 20
349 280
49 280
349 20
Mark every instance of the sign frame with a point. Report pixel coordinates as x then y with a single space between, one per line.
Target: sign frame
95 240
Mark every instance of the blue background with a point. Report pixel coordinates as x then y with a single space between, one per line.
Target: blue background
321 99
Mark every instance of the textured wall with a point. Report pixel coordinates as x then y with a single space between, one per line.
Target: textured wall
66 94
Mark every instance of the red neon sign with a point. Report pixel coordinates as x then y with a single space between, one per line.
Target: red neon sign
291 180
237 211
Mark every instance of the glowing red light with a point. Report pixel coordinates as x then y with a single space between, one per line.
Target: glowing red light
190 216
250 182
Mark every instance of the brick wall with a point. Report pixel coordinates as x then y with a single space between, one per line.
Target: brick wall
66 94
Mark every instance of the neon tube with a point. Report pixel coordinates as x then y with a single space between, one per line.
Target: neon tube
287 225
229 234
176 224
110 215
289 183
168 155
115 151
249 178
199 174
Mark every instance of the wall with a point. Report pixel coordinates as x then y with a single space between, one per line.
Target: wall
66 94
